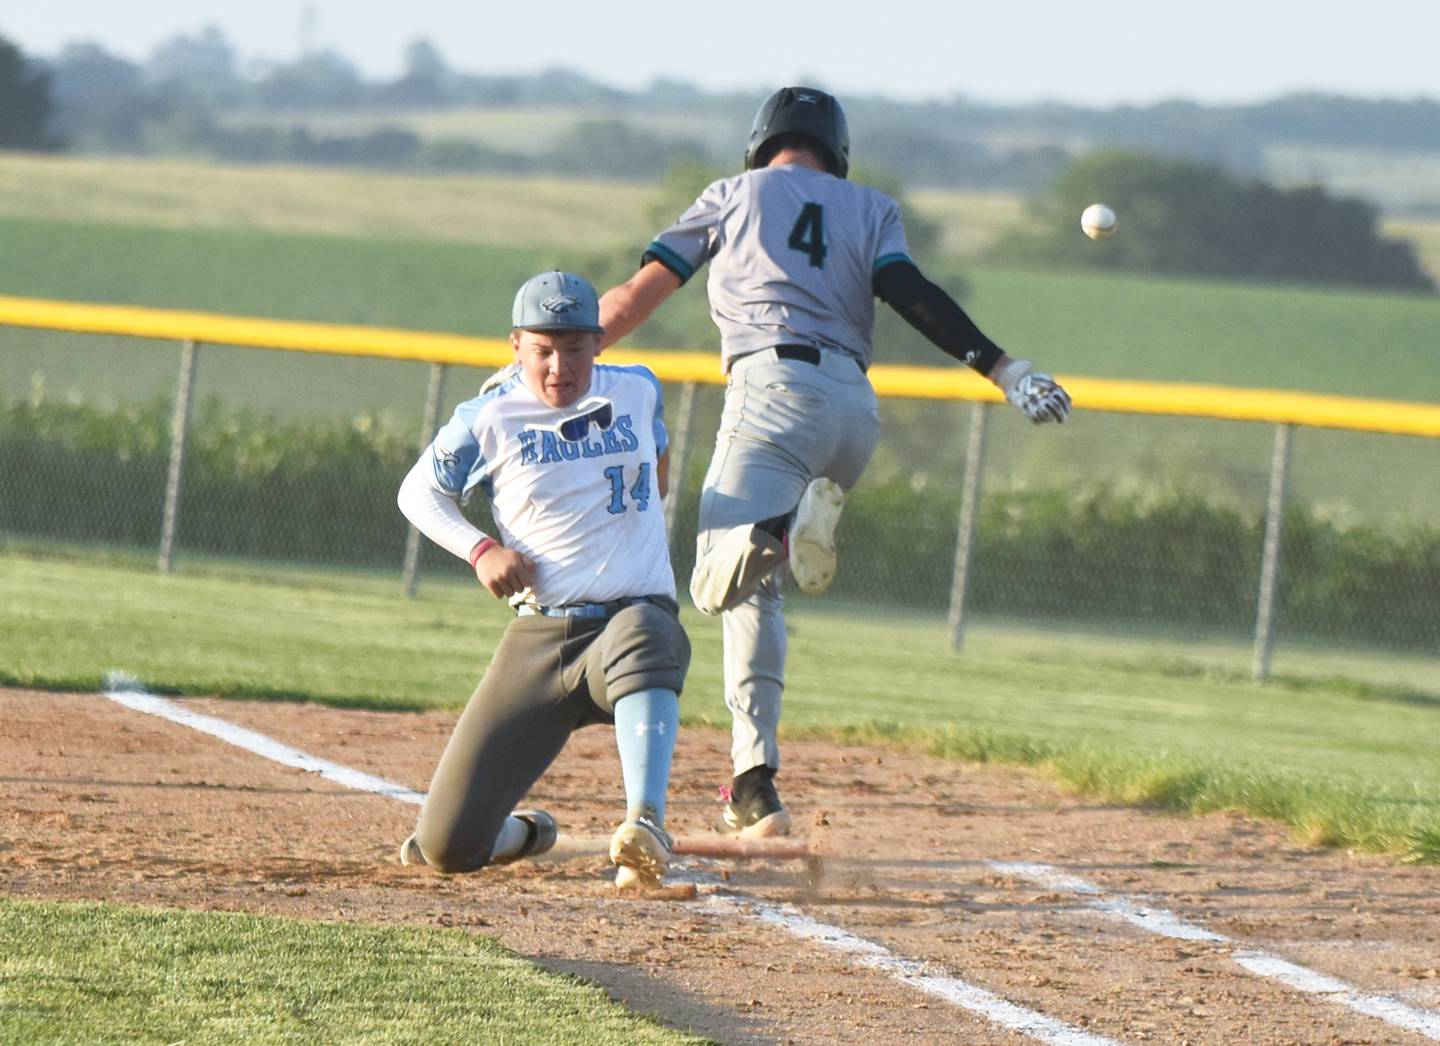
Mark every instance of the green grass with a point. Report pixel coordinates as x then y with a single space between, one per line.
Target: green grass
107 973
1342 761
1105 325
490 210
1124 326
429 286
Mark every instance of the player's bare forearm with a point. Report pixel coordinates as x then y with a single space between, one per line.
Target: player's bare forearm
625 307
662 474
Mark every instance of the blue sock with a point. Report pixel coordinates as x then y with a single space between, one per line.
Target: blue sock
645 726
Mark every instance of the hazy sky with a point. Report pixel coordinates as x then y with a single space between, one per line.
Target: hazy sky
1095 52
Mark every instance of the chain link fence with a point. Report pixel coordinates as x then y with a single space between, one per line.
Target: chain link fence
1183 531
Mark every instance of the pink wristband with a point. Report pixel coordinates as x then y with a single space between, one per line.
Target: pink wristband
481 547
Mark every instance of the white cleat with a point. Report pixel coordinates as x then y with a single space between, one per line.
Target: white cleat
641 852
766 826
812 535
410 853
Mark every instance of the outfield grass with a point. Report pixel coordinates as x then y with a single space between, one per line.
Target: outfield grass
1341 761
424 285
108 973
486 209
368 248
1126 326
1324 340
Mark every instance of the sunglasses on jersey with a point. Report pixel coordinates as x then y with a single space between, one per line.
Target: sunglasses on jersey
594 411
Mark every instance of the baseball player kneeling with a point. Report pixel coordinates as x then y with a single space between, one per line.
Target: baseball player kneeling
572 455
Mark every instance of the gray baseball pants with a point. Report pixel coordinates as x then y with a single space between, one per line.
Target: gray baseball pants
785 423
549 677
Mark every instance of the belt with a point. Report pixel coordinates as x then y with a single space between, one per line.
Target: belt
614 606
809 354
805 353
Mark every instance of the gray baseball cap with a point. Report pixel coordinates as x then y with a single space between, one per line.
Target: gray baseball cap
557 301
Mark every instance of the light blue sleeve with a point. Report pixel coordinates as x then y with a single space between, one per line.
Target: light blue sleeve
457 465
657 422
662 435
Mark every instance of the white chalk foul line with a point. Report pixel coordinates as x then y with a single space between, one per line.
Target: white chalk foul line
125 691
915 974
1166 924
258 743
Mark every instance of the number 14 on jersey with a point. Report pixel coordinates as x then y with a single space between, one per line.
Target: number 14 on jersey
639 493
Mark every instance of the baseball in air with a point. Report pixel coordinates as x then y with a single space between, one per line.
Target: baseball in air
1098 221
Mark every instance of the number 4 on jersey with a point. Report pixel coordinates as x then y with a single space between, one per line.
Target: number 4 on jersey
808 236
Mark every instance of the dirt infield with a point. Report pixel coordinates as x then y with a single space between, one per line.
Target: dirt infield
103 802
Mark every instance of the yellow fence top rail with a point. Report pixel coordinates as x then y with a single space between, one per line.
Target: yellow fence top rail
944 383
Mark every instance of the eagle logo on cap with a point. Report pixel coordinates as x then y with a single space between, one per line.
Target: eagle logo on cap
559 304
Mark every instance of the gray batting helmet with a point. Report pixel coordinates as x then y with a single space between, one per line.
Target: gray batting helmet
557 301
801 110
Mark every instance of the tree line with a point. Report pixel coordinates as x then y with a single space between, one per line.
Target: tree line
1182 218
1184 182
196 93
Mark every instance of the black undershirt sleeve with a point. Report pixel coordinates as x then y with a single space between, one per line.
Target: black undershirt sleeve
935 314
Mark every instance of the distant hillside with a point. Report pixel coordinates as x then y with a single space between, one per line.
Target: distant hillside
191 99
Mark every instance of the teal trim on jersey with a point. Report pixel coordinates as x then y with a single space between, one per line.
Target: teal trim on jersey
672 261
891 259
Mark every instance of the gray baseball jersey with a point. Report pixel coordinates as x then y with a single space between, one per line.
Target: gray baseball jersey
792 254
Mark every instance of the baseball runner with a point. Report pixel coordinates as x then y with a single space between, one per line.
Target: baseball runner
572 456
797 256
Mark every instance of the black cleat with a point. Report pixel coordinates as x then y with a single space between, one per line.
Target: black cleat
540 838
754 810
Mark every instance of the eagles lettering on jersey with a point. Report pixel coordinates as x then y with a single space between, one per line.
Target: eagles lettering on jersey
581 510
505 423
539 447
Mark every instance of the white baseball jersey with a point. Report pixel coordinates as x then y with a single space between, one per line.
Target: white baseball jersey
792 254
585 511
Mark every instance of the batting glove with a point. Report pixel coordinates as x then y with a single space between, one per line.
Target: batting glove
1038 396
